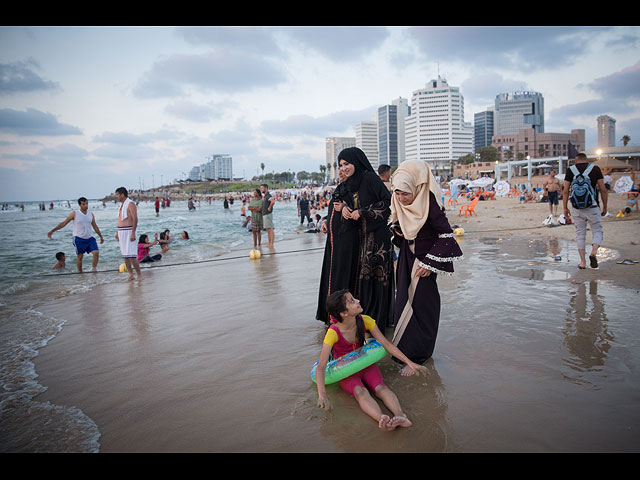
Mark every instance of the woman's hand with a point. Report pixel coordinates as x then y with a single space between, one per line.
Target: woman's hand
422 272
355 214
337 206
346 212
324 403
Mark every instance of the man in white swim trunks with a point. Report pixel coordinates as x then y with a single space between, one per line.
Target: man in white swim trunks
126 233
83 240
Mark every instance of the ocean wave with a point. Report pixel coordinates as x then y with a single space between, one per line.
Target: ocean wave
29 425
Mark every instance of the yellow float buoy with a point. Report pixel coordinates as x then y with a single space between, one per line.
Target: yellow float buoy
254 254
459 231
123 268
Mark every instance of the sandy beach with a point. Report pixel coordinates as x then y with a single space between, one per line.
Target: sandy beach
215 357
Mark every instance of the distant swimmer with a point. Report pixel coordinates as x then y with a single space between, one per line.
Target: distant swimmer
126 233
83 240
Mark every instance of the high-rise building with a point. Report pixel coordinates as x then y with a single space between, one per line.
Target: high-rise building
518 110
606 131
391 132
388 135
219 167
483 129
403 110
367 140
435 128
333 146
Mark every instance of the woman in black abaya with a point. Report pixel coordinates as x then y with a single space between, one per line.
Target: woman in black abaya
340 264
427 248
368 258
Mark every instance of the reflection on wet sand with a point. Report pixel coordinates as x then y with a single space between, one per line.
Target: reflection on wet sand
217 358
586 330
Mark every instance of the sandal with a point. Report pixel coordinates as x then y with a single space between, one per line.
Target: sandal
594 261
581 267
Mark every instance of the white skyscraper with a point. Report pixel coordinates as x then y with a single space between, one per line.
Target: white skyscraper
367 140
435 128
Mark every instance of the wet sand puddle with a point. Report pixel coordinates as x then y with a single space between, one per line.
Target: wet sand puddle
203 358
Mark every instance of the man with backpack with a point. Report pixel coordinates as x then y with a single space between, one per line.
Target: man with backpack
581 185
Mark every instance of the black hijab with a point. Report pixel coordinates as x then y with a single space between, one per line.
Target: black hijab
359 160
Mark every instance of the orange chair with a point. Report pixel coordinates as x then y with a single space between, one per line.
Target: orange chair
469 208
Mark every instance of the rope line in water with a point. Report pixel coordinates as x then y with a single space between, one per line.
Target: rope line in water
290 251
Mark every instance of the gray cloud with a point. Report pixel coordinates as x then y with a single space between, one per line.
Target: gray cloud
225 71
194 112
133 139
255 39
19 77
514 47
333 124
34 122
624 84
483 87
339 43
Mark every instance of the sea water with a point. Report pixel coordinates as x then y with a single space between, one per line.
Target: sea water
27 279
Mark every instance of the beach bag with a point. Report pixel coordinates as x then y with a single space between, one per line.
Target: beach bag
582 193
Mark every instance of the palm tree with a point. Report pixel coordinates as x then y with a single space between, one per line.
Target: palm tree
262 167
625 139
542 151
323 169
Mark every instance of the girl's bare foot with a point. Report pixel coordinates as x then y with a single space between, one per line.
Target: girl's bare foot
400 421
385 423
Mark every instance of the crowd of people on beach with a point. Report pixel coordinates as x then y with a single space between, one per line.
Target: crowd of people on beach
134 250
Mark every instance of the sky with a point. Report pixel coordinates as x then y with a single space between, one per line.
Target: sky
84 110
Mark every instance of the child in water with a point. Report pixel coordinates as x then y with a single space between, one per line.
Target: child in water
346 335
60 256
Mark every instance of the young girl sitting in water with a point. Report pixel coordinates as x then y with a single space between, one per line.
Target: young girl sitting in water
346 335
143 249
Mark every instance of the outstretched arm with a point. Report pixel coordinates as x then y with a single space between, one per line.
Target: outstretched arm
62 224
396 352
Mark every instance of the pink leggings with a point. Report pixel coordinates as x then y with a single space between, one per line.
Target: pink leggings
370 376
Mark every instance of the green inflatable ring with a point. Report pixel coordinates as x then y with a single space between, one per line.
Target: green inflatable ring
342 367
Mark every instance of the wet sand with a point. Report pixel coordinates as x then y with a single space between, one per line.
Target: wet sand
215 357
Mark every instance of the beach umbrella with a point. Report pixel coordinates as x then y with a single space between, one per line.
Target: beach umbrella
623 184
457 181
481 182
502 188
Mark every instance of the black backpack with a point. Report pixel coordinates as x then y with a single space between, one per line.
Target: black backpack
582 195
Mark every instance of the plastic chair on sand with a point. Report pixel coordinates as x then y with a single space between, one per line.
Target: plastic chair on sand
469 208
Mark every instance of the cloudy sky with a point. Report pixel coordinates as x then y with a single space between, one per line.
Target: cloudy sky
84 110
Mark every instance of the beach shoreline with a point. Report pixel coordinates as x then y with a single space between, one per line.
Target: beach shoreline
146 372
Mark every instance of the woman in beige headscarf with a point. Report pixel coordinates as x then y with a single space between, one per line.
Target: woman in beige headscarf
427 247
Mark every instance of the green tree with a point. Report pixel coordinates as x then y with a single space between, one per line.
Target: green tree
625 139
488 154
466 159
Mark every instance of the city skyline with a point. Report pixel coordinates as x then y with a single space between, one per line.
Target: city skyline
87 109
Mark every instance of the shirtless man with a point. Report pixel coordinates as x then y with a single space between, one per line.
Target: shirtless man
552 186
83 240
126 233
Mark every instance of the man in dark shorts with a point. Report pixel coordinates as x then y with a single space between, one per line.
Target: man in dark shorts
552 186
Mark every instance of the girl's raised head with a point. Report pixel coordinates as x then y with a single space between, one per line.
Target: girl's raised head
143 239
337 304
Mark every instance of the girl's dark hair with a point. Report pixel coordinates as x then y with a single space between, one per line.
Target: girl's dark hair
142 239
336 305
